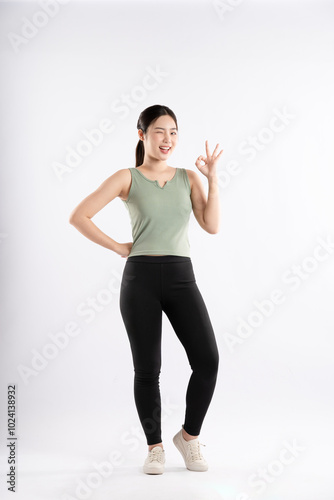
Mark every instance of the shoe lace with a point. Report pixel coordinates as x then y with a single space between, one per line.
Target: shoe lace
195 450
155 455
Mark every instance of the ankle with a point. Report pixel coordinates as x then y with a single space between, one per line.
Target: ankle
186 436
151 446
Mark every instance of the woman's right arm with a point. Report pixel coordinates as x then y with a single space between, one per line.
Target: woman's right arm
81 216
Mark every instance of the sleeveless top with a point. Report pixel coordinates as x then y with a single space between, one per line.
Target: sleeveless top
159 215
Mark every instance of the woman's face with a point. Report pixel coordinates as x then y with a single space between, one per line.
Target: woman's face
160 139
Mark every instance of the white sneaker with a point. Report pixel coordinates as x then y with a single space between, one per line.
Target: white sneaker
191 453
155 461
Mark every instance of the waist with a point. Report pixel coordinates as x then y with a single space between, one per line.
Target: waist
158 258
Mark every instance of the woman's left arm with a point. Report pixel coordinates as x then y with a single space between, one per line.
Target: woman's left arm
206 209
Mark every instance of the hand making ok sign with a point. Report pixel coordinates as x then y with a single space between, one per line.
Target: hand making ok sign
209 169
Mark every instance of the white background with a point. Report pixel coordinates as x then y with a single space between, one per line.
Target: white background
226 72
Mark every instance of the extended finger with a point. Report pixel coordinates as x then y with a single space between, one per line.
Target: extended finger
207 148
215 150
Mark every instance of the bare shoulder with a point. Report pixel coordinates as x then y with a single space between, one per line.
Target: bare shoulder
117 184
123 178
119 175
122 173
193 176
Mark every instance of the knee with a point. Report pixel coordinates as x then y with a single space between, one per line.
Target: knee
213 365
147 377
208 366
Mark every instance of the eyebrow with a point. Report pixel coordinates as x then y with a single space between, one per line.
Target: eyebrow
165 129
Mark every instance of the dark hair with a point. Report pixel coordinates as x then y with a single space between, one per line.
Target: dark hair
145 119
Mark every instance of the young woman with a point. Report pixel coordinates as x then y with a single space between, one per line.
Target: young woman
158 275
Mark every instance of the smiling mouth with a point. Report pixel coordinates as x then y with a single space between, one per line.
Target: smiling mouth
164 149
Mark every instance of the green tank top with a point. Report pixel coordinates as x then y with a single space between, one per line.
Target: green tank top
159 215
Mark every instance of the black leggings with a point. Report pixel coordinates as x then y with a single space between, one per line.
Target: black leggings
150 285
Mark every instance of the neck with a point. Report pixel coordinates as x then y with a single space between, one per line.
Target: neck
154 165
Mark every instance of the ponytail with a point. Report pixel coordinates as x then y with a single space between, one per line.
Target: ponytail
140 153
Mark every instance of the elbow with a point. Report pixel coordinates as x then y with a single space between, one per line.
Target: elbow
212 230
73 219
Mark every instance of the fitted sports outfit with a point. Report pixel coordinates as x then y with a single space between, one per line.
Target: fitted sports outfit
158 277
